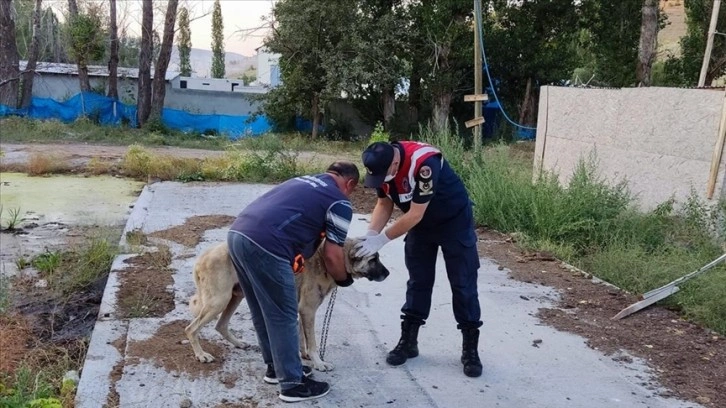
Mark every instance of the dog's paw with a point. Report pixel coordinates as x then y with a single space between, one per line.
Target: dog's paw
205 357
321 365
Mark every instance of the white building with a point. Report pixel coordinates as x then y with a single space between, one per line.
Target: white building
268 67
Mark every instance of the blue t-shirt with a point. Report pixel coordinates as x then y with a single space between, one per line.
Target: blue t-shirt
436 183
289 219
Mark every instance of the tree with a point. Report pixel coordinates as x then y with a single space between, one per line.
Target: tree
85 37
648 42
380 47
217 42
113 57
27 84
143 103
444 30
185 43
615 35
162 63
314 43
684 70
50 39
9 64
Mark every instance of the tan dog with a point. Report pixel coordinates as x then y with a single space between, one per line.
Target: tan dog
218 291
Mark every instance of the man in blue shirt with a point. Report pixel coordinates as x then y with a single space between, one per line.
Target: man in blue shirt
265 242
438 213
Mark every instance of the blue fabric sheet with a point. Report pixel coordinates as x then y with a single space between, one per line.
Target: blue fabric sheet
108 111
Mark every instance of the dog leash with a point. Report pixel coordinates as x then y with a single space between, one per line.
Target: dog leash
326 323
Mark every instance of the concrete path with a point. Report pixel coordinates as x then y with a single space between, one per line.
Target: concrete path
561 372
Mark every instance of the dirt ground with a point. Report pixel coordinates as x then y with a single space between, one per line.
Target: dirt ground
687 359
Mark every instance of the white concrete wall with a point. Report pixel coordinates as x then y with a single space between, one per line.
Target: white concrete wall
265 61
238 103
660 139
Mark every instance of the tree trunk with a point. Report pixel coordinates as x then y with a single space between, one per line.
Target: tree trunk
529 103
83 80
315 110
648 42
143 104
9 64
389 106
414 92
157 102
113 58
442 104
27 85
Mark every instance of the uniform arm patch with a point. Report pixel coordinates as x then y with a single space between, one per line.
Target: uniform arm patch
427 177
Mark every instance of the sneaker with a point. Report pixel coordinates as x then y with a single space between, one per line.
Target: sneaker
309 389
271 378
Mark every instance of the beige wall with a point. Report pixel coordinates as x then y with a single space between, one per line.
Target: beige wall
660 139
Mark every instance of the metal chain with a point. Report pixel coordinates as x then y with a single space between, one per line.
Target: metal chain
326 323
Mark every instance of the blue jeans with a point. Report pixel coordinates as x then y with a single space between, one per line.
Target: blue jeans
269 286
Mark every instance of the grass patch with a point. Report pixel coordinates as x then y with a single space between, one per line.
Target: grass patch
596 225
38 382
41 164
264 159
74 270
24 130
4 296
13 219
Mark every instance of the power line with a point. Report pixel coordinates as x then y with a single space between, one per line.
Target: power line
477 12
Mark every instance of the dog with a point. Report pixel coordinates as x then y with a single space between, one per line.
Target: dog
219 292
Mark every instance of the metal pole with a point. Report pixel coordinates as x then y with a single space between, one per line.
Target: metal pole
477 82
709 42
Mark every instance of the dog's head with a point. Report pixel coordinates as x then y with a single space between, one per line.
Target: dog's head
363 267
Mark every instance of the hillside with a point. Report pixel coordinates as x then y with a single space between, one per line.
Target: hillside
235 64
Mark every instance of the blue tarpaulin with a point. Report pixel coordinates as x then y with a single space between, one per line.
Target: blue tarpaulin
108 111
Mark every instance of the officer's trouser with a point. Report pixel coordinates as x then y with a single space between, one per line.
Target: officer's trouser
462 264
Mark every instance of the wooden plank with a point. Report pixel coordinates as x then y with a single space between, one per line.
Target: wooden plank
718 149
645 303
476 98
474 122
664 291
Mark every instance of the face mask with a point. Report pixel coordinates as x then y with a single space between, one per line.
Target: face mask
389 178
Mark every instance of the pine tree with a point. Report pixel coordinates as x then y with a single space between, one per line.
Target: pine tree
185 43
217 42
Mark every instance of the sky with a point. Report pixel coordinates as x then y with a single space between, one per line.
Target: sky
236 14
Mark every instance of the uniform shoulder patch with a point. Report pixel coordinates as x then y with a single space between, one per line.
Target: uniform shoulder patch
424 172
426 187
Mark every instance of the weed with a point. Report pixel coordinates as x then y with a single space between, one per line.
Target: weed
86 265
136 238
40 164
96 166
24 386
47 262
378 134
14 218
4 295
138 304
22 263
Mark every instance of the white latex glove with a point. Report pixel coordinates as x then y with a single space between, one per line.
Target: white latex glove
371 244
371 232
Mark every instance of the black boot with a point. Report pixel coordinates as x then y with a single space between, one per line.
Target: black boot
407 346
470 354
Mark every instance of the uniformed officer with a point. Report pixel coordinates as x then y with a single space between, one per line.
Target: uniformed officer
438 213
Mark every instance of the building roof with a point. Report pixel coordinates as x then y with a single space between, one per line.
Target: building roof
58 68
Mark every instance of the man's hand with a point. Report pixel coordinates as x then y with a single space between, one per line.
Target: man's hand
370 244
